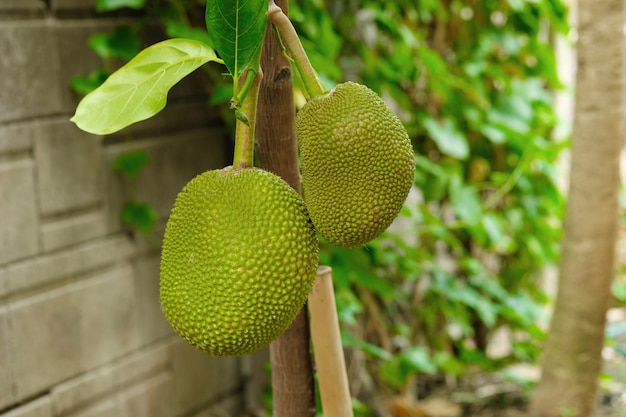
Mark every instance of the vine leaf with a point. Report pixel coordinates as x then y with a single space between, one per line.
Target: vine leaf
130 163
237 28
123 43
84 85
138 90
141 216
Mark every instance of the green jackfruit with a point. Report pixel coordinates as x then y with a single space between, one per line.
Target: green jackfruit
357 164
238 261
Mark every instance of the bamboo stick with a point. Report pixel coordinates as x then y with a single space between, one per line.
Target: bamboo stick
329 360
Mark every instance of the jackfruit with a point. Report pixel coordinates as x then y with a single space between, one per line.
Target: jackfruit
238 261
357 164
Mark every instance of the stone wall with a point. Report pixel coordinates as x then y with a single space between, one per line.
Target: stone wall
81 331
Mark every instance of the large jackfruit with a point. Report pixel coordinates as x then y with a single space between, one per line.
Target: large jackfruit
357 164
238 261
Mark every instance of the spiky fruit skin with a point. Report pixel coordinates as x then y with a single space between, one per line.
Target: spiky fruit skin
357 164
238 261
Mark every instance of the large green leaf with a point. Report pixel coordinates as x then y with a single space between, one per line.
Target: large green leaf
237 28
138 90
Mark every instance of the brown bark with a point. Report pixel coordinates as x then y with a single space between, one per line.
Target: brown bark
277 149
572 357
292 370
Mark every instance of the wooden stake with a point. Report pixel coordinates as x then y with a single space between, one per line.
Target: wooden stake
329 360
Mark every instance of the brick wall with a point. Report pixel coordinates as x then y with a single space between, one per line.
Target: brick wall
81 331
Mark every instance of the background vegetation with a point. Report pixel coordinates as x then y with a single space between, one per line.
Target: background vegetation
473 82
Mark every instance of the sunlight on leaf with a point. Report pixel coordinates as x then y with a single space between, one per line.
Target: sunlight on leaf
138 90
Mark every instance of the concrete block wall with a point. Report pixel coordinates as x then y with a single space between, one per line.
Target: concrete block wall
81 331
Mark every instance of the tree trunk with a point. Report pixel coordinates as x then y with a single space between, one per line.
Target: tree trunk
292 370
572 357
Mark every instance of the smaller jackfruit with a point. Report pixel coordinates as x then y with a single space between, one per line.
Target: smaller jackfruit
238 261
357 164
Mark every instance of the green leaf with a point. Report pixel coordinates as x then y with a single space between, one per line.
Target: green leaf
359 269
397 371
495 229
448 363
394 373
418 359
107 5
85 85
493 133
348 340
619 291
348 306
130 163
138 90
465 201
141 216
448 138
123 43
237 29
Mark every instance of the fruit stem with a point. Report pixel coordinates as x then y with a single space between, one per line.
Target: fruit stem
289 38
246 118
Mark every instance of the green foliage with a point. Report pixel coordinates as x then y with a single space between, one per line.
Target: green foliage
396 371
131 163
447 137
138 90
141 216
123 43
472 83
619 292
84 85
237 29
